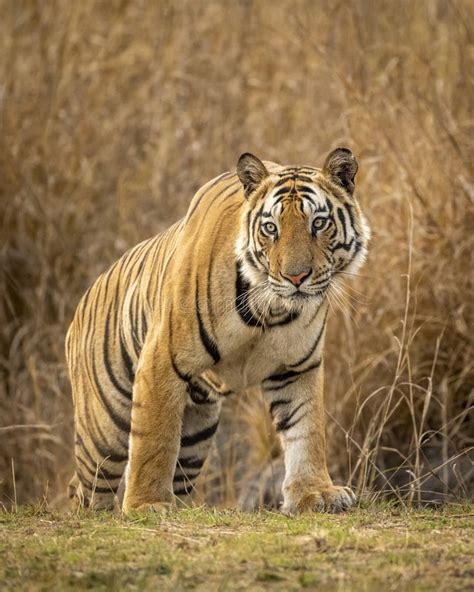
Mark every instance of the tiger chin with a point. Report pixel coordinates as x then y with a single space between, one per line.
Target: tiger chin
234 295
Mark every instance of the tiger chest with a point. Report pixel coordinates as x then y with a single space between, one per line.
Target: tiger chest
263 356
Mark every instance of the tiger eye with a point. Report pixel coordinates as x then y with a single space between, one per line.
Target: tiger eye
269 227
320 223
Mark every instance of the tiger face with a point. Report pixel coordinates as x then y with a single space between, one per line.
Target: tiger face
303 229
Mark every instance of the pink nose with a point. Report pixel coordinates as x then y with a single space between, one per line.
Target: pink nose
298 278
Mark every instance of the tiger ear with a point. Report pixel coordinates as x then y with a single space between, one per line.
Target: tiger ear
251 172
341 167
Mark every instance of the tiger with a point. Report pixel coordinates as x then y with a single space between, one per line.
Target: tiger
234 295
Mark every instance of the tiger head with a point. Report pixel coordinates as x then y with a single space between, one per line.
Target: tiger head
302 228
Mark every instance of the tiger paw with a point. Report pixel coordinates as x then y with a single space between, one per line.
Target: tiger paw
332 498
159 508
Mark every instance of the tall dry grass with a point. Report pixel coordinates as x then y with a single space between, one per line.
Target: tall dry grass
114 113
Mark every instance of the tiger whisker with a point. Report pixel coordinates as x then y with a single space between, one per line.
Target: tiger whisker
357 275
342 289
344 302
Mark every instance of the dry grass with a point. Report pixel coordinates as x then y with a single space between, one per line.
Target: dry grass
113 113
209 550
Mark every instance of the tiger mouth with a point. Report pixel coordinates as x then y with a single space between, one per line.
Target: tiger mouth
299 299
301 296
309 291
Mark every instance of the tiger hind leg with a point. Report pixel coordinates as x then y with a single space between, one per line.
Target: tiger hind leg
101 451
85 494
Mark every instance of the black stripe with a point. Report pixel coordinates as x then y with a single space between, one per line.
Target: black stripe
156 251
183 375
334 232
129 262
204 193
284 179
313 347
138 312
127 360
286 423
212 261
279 199
304 178
144 326
292 316
310 199
340 215
278 403
84 300
251 260
291 374
199 436
350 213
209 344
105 452
259 255
183 491
137 346
242 303
198 393
305 189
282 191
257 217
314 315
98 473
127 393
121 423
93 465
127 364
358 247
321 208
280 386
108 454
192 388
247 226
91 324
107 276
191 462
94 488
181 478
344 246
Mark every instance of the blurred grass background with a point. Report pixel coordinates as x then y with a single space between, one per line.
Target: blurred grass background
113 113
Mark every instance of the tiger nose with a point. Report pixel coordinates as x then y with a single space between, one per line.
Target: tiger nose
298 278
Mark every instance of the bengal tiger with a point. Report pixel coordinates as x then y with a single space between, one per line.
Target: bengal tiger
233 295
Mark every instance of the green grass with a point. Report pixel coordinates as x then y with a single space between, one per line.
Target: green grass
374 548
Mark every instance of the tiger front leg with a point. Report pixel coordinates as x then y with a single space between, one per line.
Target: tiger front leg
159 397
297 409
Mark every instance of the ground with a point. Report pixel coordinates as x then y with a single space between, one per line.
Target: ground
370 548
